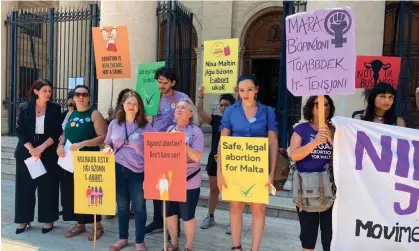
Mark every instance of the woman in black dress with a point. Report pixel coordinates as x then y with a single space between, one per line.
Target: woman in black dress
38 130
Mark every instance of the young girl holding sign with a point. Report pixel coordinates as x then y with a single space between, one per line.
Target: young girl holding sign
249 118
125 139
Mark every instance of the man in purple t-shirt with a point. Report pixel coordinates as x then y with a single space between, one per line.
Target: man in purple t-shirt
161 122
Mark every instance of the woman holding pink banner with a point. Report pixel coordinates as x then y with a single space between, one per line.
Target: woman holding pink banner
381 106
311 149
249 118
194 149
125 140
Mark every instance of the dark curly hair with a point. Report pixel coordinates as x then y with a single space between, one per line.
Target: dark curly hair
308 108
37 85
390 117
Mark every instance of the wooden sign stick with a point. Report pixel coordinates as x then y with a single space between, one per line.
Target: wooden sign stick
94 232
320 101
164 226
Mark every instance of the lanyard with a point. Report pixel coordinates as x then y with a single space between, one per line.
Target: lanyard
172 103
126 141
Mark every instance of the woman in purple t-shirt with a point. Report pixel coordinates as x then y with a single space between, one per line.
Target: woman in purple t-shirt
311 149
194 149
125 140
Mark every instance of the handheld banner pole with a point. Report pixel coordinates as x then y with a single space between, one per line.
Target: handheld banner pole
320 103
164 226
110 105
94 232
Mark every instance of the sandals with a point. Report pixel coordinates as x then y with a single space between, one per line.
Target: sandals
237 248
170 247
75 231
115 247
99 233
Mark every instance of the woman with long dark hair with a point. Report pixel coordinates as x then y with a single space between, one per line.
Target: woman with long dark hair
125 140
38 129
249 118
381 106
85 130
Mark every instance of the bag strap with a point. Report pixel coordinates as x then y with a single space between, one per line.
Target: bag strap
321 198
300 193
190 176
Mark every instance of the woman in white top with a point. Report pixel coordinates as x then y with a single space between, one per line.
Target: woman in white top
38 130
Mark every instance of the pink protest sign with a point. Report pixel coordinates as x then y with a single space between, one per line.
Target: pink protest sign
320 51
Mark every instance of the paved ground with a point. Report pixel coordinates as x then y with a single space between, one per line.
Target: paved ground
280 234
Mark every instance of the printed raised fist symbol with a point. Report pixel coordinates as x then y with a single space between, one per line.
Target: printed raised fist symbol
337 23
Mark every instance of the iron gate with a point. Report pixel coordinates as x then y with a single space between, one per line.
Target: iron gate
54 44
175 35
288 106
401 38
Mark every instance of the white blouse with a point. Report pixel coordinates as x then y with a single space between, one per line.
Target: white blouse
39 125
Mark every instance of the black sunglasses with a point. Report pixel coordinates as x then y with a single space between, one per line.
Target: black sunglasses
83 94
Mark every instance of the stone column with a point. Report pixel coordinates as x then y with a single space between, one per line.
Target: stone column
6 8
369 31
140 18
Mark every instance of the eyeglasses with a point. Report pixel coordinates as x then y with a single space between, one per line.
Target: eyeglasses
83 94
326 105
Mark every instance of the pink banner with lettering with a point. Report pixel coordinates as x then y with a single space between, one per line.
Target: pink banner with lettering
320 51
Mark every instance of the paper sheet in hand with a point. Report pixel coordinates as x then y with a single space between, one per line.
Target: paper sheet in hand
67 162
35 166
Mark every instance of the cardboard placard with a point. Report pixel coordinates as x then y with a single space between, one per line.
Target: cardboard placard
245 168
165 166
371 70
111 48
220 68
320 51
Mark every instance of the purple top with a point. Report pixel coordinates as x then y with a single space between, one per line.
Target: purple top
195 140
166 114
316 160
131 155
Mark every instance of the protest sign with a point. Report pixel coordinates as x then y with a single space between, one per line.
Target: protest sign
245 168
376 169
371 70
165 166
320 52
220 69
94 183
111 49
147 87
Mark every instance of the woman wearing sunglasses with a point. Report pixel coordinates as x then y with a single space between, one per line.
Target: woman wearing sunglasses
86 131
311 149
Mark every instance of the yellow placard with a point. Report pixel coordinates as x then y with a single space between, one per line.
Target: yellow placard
94 183
245 168
221 61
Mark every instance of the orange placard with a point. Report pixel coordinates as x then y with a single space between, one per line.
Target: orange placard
371 70
165 166
111 49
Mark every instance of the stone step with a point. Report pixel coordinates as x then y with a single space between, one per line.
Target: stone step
7 158
278 206
286 193
8 169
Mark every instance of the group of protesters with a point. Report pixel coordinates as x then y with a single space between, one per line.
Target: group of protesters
43 136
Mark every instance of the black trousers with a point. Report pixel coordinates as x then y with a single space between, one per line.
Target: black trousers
309 224
67 201
47 185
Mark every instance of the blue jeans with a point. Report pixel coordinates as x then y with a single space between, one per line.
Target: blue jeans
129 187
